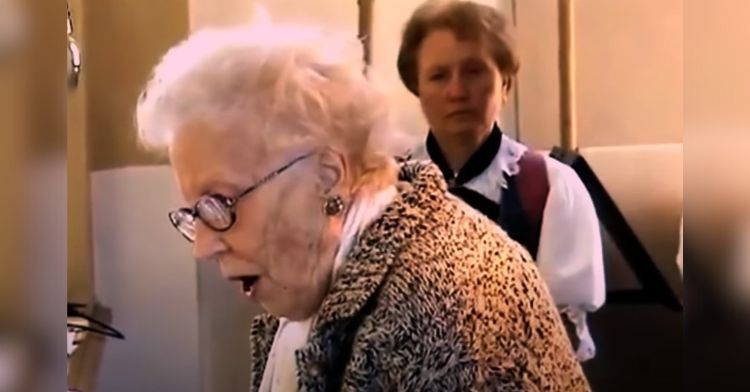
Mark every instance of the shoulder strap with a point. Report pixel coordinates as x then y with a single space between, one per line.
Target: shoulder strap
533 188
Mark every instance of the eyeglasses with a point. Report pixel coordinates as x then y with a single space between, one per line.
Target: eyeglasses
217 211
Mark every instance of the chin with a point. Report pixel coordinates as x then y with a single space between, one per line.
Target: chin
462 127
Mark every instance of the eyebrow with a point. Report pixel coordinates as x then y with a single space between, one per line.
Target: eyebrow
473 60
212 185
436 68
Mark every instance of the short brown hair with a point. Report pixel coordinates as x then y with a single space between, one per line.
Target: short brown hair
468 21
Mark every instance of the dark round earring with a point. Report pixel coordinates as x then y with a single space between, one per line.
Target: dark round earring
333 205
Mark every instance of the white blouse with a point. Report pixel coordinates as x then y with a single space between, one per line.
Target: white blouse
280 374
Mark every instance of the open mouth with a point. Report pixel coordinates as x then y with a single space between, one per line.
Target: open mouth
248 282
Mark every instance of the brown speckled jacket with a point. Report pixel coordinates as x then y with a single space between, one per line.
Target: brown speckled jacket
433 297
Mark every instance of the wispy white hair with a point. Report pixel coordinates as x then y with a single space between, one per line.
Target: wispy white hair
286 84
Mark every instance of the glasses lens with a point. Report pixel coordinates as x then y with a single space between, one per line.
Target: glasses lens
184 222
214 212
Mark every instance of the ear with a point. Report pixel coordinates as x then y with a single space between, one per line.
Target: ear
507 85
332 172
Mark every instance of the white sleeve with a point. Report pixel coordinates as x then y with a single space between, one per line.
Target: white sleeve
570 252
570 245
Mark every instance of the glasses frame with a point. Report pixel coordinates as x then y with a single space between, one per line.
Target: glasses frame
229 203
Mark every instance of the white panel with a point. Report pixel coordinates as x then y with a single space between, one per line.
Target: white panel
224 320
146 275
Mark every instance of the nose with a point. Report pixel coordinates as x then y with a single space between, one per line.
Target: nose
456 89
208 244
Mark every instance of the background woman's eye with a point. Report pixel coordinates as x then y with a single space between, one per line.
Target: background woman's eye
474 70
437 76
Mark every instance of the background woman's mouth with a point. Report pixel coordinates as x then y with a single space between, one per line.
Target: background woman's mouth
460 113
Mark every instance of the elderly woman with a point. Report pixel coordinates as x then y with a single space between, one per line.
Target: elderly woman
372 276
458 58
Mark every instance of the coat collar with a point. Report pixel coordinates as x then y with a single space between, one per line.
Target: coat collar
360 277
262 331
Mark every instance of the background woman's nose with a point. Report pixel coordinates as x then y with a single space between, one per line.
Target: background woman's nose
456 88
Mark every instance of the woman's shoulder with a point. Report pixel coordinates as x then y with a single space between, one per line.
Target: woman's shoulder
459 285
455 247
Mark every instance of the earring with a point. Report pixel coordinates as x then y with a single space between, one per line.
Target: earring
333 205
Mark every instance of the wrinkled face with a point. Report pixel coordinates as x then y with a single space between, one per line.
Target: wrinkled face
460 88
279 252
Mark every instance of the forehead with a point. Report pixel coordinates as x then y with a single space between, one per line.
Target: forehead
207 159
442 47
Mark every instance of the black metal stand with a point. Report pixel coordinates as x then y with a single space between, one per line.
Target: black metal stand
97 326
655 288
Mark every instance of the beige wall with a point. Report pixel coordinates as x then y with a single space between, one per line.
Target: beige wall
120 42
629 72
13 125
717 126
124 40
629 62
31 121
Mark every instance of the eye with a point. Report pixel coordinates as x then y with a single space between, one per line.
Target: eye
474 70
438 76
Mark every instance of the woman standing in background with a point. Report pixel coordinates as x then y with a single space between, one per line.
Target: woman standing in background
458 58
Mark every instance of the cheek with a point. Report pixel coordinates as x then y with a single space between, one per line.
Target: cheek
430 102
289 238
485 90
488 98
245 237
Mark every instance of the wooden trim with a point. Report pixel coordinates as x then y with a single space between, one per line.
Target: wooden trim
365 28
567 68
80 248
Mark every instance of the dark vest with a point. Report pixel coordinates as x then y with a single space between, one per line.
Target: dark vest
523 200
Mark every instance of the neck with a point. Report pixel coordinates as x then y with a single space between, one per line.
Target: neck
381 176
458 148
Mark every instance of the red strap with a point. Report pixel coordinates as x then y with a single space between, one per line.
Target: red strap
533 188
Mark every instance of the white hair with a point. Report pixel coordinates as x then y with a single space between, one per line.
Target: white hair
289 83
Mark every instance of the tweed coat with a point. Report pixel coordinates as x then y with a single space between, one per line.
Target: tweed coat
432 297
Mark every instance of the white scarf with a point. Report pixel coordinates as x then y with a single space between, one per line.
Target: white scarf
280 374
